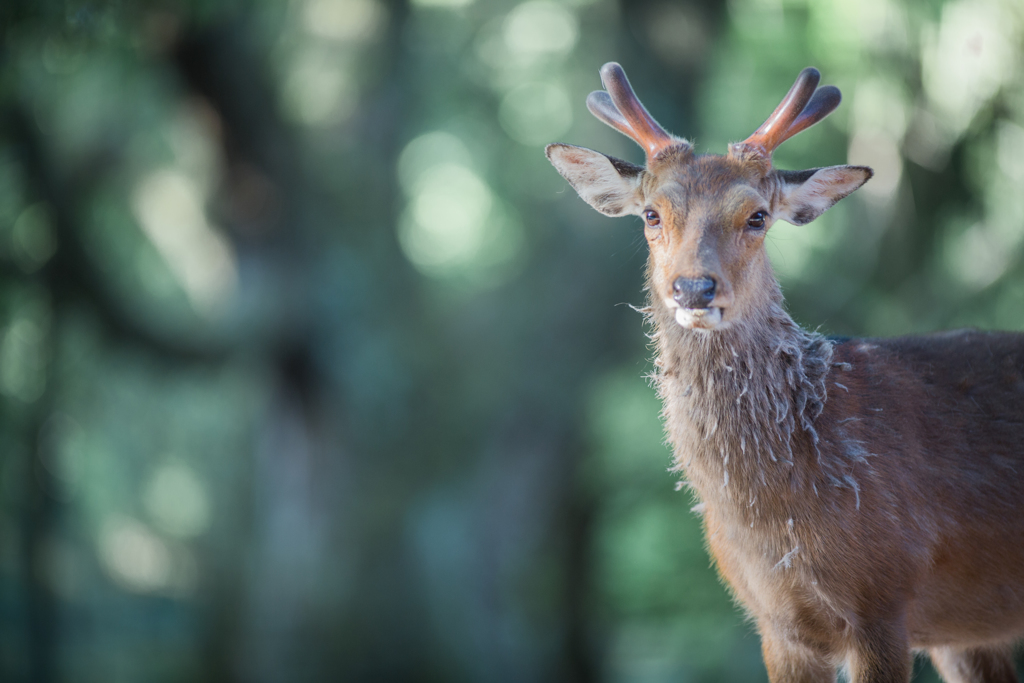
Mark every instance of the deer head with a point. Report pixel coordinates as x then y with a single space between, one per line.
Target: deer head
706 216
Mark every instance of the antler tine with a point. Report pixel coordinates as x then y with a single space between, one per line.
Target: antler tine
788 119
600 105
823 103
620 109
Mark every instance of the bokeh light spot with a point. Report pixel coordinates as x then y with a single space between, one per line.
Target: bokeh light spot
455 228
33 237
177 501
318 90
540 28
881 152
1010 150
536 113
447 214
344 20
22 360
168 205
444 4
133 555
967 60
426 151
977 256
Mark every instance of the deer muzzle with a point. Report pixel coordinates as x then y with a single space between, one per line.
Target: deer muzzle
691 300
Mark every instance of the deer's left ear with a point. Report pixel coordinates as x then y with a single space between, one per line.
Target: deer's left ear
805 195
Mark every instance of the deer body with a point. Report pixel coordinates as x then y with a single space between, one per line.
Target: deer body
818 539
861 498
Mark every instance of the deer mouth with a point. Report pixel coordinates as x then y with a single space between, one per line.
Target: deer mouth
699 318
696 318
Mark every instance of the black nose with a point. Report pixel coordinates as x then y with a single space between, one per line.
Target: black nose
695 292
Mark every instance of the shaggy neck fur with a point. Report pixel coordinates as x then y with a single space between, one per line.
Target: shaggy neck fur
740 405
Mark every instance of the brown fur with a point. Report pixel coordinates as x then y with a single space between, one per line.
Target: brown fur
861 498
847 498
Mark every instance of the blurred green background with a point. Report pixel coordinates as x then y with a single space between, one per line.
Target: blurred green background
312 368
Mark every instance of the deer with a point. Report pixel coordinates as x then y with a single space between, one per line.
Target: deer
862 498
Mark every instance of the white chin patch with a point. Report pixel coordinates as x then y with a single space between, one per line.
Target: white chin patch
699 318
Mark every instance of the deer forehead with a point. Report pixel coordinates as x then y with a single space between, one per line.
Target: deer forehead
710 192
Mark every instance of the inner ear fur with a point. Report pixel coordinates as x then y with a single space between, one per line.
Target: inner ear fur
805 195
610 185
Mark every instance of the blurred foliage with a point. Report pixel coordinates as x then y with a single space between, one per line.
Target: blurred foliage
312 368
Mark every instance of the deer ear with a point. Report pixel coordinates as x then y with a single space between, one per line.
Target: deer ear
805 195
610 185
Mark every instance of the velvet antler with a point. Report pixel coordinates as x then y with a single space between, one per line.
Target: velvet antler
804 105
619 107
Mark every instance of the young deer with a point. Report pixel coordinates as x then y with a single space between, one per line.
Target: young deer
862 498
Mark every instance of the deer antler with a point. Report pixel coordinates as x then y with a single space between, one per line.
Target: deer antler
619 107
803 106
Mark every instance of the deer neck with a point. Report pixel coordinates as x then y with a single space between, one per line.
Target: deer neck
740 402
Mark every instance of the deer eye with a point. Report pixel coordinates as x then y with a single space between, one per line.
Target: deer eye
652 218
756 220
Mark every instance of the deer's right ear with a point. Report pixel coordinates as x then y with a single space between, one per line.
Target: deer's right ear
610 185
